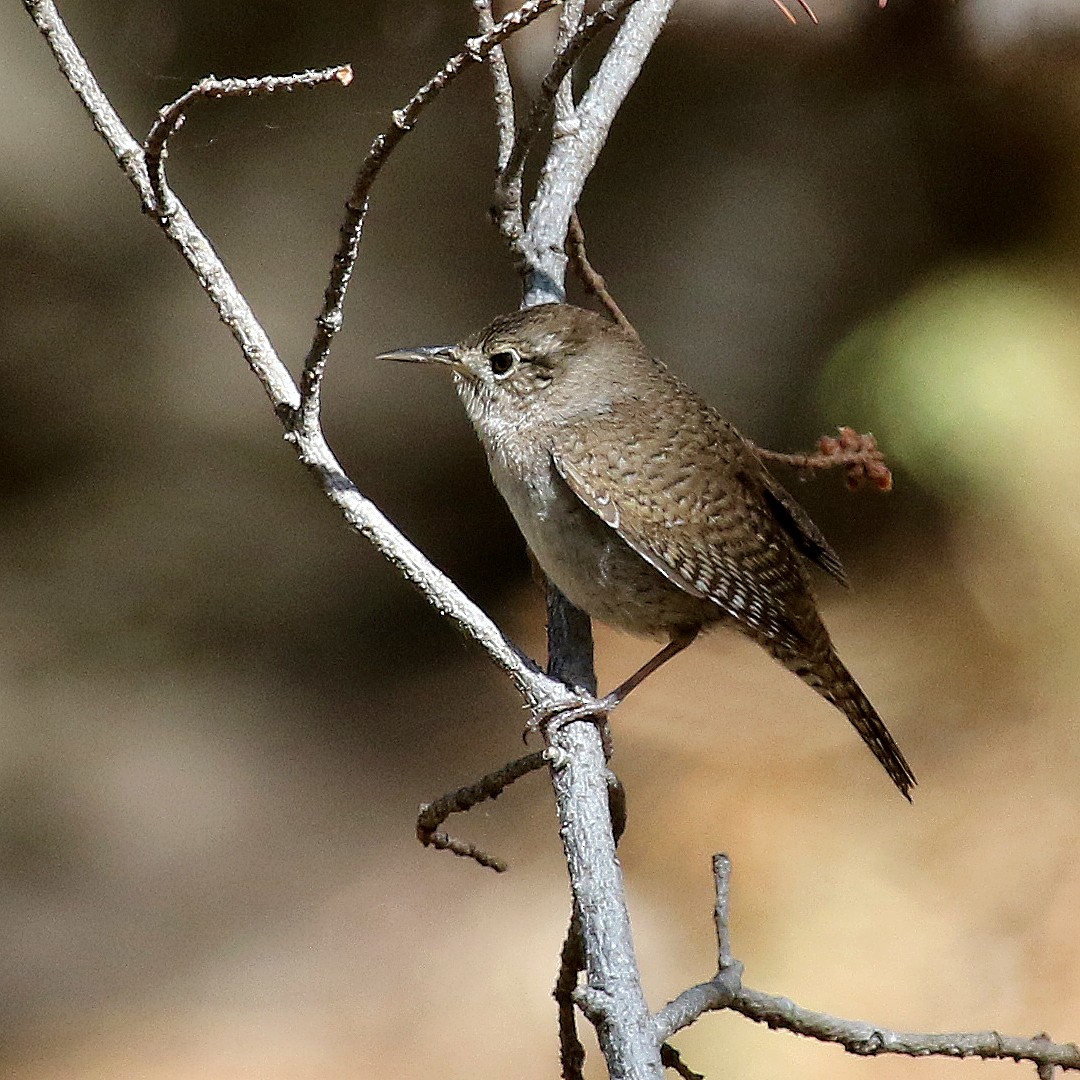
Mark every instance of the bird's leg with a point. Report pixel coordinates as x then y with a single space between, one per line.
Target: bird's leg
680 638
598 710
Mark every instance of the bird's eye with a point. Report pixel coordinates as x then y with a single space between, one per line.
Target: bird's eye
502 361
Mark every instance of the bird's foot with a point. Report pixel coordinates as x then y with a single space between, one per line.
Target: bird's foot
551 719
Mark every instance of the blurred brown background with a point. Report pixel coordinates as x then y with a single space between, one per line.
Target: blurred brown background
220 709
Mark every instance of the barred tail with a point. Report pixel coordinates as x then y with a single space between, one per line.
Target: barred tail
828 676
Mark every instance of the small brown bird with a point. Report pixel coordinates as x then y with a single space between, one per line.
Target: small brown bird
645 507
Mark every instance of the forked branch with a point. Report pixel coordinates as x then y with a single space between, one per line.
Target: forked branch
538 690
599 945
726 991
332 315
433 814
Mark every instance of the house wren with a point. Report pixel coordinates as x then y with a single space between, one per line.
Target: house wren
645 507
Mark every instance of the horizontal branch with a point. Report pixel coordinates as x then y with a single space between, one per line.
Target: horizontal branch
725 991
869 1040
171 117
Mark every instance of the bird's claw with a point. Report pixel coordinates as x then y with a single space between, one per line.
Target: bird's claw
550 719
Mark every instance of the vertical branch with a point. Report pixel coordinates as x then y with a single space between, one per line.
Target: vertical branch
507 209
612 998
573 156
505 116
569 23
571 1052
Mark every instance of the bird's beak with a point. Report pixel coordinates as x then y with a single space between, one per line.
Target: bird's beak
426 354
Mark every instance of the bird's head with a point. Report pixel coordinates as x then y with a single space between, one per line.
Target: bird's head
542 364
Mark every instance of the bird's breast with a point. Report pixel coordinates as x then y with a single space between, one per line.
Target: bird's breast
588 560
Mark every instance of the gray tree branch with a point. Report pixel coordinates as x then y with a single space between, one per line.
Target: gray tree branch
575 149
539 690
612 997
631 1038
725 991
508 190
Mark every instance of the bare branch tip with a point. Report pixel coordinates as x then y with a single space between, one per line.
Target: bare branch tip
441 841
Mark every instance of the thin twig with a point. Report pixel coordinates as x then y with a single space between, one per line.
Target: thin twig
433 814
571 963
719 991
570 19
588 275
857 454
791 18
869 1040
503 90
507 209
170 118
721 866
787 12
332 316
505 111
673 1060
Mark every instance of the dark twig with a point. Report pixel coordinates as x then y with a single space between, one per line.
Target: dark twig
858 455
171 117
588 276
571 964
433 814
671 1059
616 806
331 317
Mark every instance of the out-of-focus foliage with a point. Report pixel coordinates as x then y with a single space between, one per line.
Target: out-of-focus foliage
974 381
